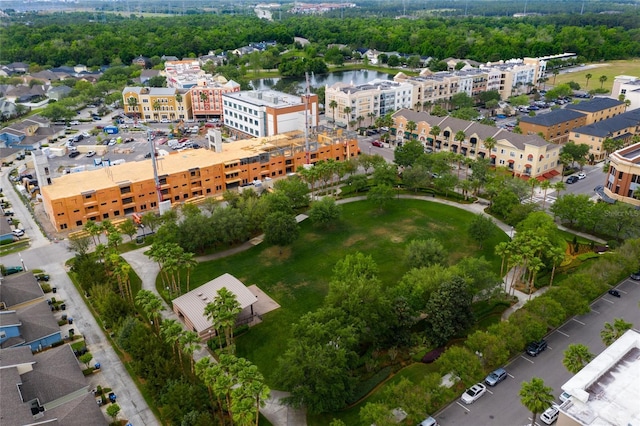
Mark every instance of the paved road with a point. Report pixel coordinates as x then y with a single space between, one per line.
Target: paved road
501 405
50 257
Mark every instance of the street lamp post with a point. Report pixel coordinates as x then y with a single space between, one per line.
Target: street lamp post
512 232
24 268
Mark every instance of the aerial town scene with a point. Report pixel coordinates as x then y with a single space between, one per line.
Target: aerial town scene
401 212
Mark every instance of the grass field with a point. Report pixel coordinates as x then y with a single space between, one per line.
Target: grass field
298 277
610 69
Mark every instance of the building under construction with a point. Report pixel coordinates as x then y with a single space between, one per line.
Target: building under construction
116 191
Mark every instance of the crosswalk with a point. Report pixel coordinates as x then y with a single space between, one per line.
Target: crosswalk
538 199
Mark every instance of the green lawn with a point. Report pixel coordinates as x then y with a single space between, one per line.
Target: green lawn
298 277
609 69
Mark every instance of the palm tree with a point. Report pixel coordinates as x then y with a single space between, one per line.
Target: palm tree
417 106
503 249
557 255
489 143
427 105
94 230
156 108
411 126
576 357
222 313
559 186
533 183
171 331
188 261
133 105
435 132
190 342
588 77
544 185
152 306
555 74
360 119
612 332
536 397
602 79
333 105
347 112
372 116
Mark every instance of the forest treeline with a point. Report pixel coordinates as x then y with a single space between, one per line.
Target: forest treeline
77 38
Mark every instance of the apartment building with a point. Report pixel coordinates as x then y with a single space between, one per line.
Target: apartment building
623 179
205 90
373 99
114 192
554 126
157 103
623 127
523 155
598 109
512 77
260 113
629 87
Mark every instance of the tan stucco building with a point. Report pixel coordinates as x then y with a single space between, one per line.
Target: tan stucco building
157 103
623 178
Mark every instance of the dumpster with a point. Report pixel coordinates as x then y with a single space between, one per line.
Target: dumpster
70 320
112 397
63 307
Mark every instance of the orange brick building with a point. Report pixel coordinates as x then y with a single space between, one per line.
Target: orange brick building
113 192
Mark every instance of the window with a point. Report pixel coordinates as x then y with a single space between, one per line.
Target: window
116 213
105 215
125 189
78 223
127 200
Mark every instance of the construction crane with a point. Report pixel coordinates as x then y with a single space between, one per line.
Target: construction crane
306 119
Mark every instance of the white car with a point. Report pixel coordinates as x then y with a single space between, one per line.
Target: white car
18 232
164 120
582 175
86 134
550 415
74 122
112 142
564 396
474 393
124 126
90 154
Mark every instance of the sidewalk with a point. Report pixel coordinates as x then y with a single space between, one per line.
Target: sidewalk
522 296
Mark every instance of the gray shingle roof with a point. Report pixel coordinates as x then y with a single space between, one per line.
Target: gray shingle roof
13 410
80 411
610 126
595 104
552 118
56 374
19 288
15 356
37 321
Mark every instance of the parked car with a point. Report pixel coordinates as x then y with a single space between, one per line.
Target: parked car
90 154
377 143
74 122
165 120
614 293
12 270
74 154
8 213
124 126
42 277
635 276
534 348
18 232
474 393
429 421
496 377
550 415
572 179
564 396
582 175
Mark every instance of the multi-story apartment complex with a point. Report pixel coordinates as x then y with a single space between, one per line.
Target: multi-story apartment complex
554 126
524 155
113 192
157 103
623 179
512 77
629 87
623 127
598 109
259 113
366 101
205 90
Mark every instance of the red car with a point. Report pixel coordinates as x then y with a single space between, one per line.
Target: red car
183 140
377 143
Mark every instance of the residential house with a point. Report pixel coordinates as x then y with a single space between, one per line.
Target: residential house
24 94
45 389
46 75
142 61
6 237
58 92
19 290
623 179
32 325
621 127
598 109
554 126
146 75
29 134
17 68
257 113
523 155
7 109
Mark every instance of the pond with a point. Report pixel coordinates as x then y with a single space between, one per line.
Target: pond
355 76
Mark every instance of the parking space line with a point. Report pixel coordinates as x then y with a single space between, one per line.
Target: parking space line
508 374
489 391
597 312
564 334
622 291
549 347
526 359
536 423
607 300
463 406
579 322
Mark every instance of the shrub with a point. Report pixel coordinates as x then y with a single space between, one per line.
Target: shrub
363 388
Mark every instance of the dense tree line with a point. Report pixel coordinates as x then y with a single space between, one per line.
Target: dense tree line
75 38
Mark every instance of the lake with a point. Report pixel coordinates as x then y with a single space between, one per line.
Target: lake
357 77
